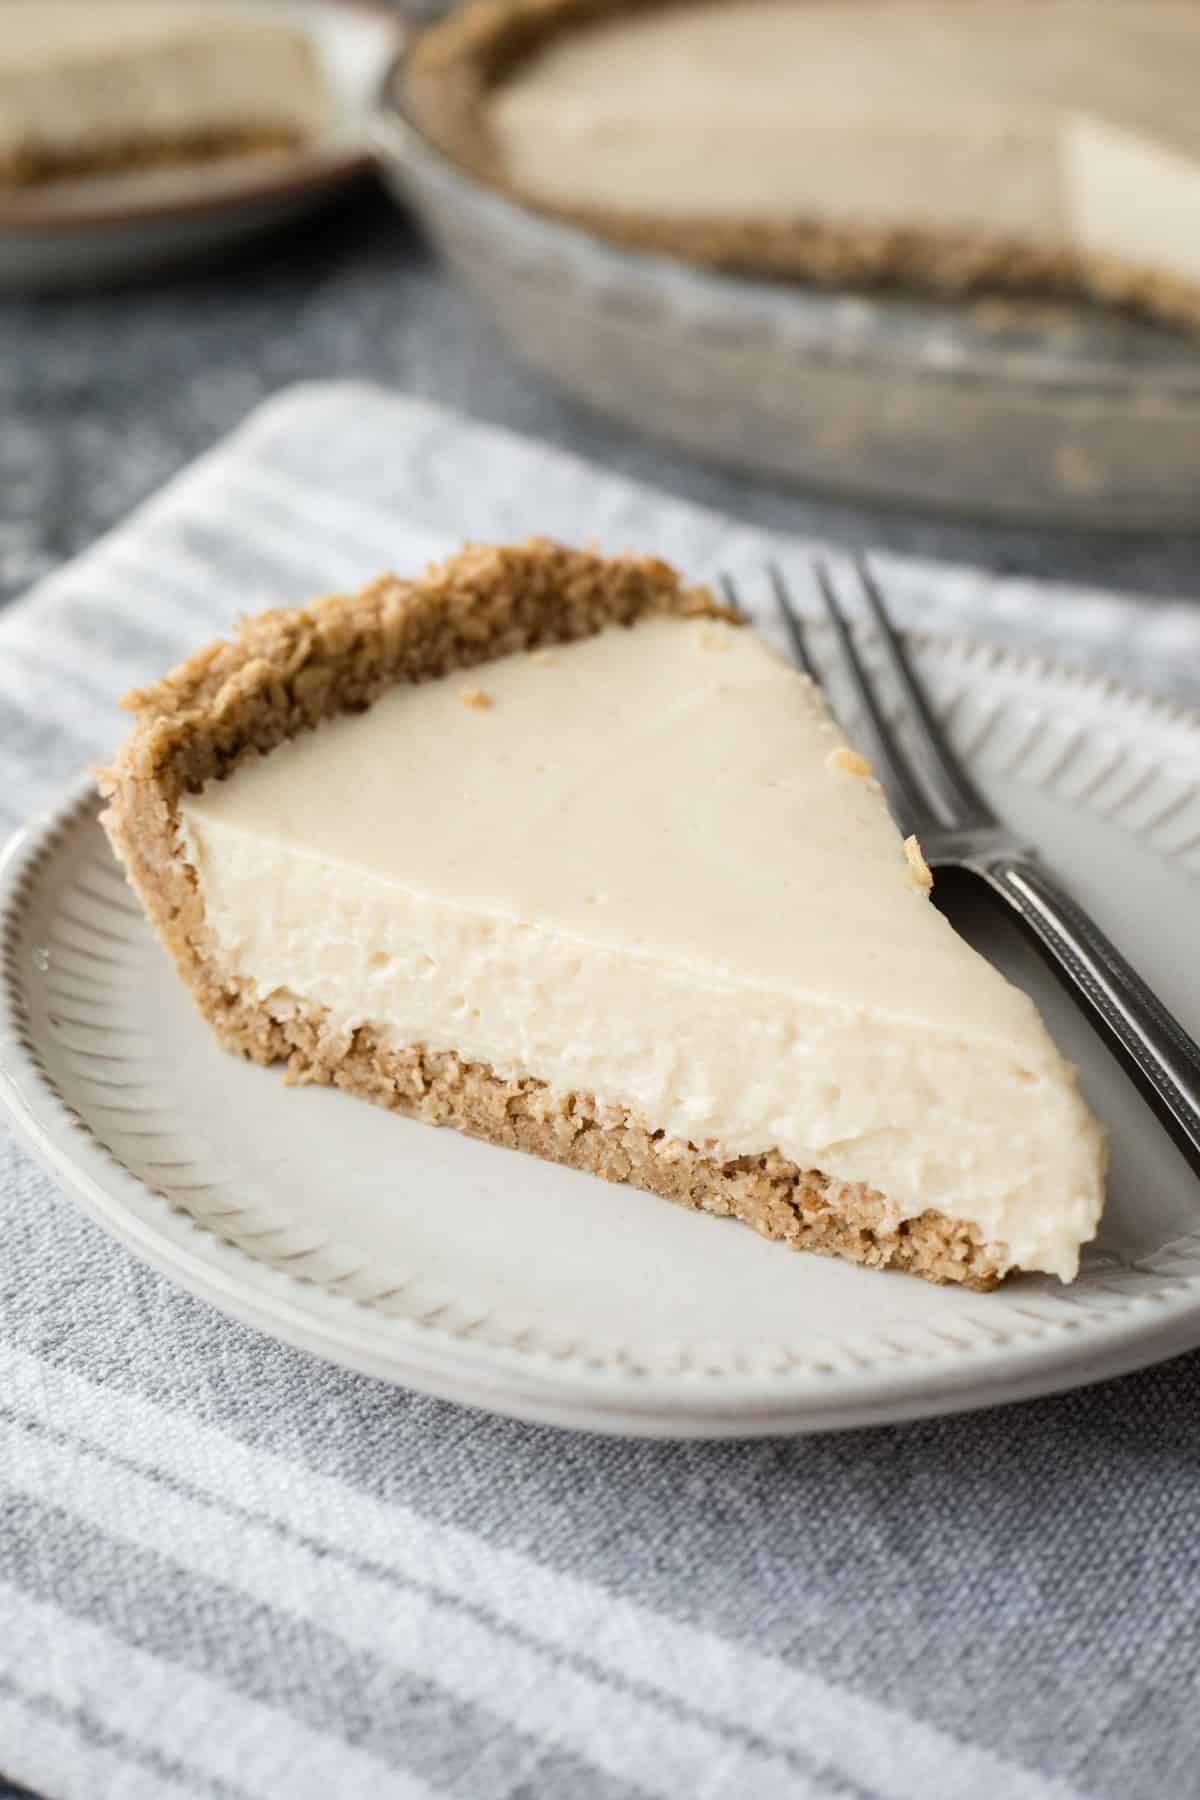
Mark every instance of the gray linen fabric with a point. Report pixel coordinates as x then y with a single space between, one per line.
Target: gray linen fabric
229 1570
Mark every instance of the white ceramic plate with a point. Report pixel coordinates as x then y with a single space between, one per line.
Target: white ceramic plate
489 1278
76 233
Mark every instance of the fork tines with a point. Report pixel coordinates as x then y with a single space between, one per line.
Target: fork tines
930 789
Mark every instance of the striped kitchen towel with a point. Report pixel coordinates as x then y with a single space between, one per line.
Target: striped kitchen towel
228 1570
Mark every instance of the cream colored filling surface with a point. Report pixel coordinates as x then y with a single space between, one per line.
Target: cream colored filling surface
80 76
643 866
1051 120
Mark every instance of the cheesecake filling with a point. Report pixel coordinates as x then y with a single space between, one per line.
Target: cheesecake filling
76 78
1053 121
648 868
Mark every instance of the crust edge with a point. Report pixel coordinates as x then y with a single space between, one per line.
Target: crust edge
35 165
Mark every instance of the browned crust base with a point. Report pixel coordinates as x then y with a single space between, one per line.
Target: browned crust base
284 673
35 164
455 64
800 1208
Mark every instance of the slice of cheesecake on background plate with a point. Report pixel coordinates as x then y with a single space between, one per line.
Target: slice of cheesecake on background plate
136 135
88 89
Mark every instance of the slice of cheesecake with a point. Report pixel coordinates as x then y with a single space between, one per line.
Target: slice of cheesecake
550 848
953 144
91 86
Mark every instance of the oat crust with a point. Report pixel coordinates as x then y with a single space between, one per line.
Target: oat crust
33 165
285 672
455 63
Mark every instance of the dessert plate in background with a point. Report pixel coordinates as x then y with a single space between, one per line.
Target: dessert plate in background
489 1278
80 232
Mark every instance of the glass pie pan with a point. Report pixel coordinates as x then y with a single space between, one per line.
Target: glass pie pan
1057 412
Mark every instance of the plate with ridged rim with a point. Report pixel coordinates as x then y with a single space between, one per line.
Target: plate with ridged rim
486 1277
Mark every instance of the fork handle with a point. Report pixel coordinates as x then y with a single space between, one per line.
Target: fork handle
1161 1055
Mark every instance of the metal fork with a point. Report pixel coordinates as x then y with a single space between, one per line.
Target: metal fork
932 795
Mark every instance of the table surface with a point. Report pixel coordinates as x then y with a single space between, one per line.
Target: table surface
103 396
